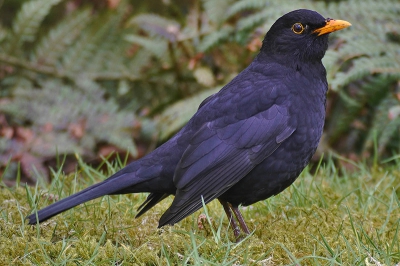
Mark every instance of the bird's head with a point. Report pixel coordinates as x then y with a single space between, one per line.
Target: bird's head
301 35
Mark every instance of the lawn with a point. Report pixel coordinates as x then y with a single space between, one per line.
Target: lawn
328 217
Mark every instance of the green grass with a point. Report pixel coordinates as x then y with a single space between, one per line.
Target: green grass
325 218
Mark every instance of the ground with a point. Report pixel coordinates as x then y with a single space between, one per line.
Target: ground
331 217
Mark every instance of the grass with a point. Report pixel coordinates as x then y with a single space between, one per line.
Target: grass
324 218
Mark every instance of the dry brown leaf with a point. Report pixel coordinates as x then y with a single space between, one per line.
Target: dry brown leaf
7 132
106 150
77 130
113 4
254 45
30 165
24 134
48 127
201 221
193 61
50 196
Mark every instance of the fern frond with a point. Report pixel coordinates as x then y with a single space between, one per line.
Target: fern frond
252 21
216 10
383 126
157 26
80 53
63 107
110 49
139 61
368 8
365 66
215 38
343 115
56 42
367 49
3 34
28 20
91 51
156 46
391 130
243 5
376 88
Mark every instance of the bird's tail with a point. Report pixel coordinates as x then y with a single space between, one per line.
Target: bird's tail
113 184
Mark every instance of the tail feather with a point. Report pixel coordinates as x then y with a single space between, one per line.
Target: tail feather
108 186
151 200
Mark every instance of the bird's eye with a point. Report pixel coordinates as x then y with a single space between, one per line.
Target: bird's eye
298 28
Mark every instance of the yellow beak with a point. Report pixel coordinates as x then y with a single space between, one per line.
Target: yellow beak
331 26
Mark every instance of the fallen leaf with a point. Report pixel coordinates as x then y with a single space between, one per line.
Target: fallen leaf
254 45
77 130
31 166
113 4
7 132
24 134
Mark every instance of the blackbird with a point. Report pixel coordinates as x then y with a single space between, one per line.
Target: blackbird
247 142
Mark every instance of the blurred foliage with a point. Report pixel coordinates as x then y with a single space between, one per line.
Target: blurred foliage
77 76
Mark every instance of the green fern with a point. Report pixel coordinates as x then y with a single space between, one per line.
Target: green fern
64 108
384 127
362 69
90 51
367 49
216 10
215 38
59 38
157 46
28 21
156 25
243 5
3 35
252 21
108 45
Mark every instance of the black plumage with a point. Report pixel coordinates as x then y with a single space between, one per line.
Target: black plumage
245 143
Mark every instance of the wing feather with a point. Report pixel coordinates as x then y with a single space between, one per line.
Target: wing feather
225 148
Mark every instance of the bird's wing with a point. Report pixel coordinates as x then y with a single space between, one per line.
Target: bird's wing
221 153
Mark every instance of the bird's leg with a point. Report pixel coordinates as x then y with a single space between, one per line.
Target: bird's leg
240 219
232 222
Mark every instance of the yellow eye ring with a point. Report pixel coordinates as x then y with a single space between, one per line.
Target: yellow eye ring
298 28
